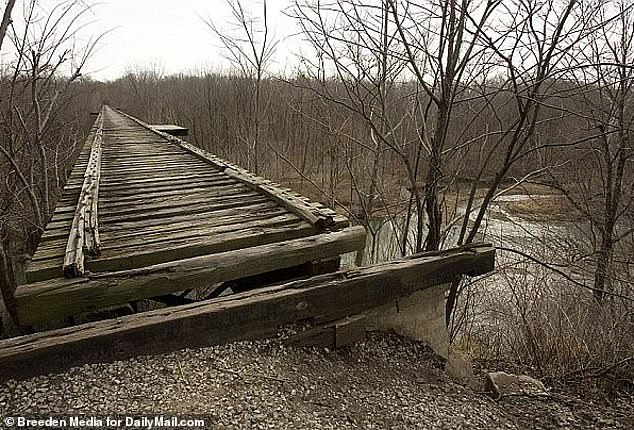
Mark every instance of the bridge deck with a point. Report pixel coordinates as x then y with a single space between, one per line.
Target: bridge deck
160 201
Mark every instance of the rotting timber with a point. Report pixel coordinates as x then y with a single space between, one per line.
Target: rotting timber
147 214
322 299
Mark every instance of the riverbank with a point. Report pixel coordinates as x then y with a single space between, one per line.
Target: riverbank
533 202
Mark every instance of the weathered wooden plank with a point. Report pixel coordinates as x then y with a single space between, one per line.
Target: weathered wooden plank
140 143
122 191
118 237
163 185
168 249
161 179
115 198
170 236
156 209
278 276
150 151
124 229
160 149
142 166
157 171
129 163
335 334
212 204
193 234
84 228
93 240
160 200
248 315
140 256
235 217
144 209
174 130
132 158
251 207
62 297
310 213
206 210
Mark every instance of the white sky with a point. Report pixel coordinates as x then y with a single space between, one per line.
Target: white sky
171 35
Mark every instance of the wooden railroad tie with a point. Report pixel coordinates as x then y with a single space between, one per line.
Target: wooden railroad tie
325 299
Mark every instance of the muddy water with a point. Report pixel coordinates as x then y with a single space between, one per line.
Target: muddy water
500 228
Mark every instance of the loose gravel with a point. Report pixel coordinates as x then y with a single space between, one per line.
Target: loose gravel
383 382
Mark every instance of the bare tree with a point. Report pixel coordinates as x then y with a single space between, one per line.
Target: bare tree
602 190
6 20
250 47
485 74
354 43
37 138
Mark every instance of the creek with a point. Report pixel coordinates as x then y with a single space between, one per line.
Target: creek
500 227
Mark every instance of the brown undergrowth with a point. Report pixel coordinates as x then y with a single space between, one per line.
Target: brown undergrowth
544 208
525 320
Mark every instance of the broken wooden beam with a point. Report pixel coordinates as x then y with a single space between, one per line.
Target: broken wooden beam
248 315
336 334
301 271
56 298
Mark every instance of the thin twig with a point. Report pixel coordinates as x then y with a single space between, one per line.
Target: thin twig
562 273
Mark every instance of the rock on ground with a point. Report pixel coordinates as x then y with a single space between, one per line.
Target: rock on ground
506 384
384 382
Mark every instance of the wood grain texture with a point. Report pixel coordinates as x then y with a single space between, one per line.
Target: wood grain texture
38 302
84 231
248 315
147 198
312 213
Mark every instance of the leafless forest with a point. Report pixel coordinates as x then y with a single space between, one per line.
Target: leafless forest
428 123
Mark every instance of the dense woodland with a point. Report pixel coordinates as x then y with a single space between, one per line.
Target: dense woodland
418 115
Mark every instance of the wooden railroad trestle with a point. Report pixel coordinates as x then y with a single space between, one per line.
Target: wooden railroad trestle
141 202
145 214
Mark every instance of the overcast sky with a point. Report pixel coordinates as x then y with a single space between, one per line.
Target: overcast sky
170 34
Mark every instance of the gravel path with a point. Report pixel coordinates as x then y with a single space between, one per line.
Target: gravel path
384 382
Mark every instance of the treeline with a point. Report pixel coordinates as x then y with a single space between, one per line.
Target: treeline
322 144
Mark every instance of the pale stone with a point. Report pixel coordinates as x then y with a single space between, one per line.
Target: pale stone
420 316
460 368
507 384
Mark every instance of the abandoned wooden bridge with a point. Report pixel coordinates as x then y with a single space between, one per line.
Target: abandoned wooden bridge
139 197
145 215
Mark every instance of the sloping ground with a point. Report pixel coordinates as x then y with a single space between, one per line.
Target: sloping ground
384 382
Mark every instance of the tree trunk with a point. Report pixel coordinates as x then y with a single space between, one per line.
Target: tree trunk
6 20
602 272
434 175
